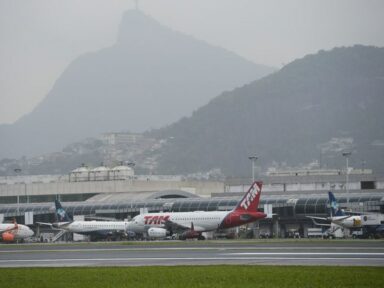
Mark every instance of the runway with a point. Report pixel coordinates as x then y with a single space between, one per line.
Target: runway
344 253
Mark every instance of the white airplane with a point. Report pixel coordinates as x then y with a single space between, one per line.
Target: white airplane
193 224
338 216
95 229
13 232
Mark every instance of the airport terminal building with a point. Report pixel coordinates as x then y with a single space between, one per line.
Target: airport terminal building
117 193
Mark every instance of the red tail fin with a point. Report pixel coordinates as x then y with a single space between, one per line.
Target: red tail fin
250 201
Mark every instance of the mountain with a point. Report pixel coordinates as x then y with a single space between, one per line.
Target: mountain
310 111
151 77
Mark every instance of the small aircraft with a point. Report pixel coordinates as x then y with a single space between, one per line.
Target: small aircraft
95 229
13 232
338 216
193 224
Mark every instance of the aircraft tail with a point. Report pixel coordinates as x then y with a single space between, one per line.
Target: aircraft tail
61 215
335 209
250 201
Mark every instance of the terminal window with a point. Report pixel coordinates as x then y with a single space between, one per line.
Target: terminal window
365 185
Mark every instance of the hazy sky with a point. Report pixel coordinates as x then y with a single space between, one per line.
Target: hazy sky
39 38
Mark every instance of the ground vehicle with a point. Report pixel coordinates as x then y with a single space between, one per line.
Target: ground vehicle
369 232
358 234
315 233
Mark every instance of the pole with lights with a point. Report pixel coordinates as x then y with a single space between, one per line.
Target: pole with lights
253 159
346 155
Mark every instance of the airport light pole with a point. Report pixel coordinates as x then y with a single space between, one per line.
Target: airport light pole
346 155
253 159
17 171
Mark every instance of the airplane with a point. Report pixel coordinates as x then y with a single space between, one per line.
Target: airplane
13 232
193 224
338 216
94 229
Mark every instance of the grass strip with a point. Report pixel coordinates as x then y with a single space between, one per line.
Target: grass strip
194 276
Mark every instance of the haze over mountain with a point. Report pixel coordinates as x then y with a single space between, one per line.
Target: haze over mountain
151 77
311 110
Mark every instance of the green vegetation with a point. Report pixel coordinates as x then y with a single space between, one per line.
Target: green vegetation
195 276
312 104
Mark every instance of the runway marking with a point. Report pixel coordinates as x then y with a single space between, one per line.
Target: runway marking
307 253
185 258
245 260
187 248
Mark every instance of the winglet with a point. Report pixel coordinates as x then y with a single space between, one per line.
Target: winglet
15 223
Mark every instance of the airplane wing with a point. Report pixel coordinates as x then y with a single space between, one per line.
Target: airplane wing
342 218
56 226
319 218
9 229
15 227
45 224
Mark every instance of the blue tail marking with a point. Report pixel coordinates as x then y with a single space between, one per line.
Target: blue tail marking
61 215
335 209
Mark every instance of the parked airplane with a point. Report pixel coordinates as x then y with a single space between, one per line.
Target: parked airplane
193 224
95 229
338 216
13 232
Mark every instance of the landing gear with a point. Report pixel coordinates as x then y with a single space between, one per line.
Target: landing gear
200 237
182 237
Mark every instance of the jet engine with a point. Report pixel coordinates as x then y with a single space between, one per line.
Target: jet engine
8 237
157 232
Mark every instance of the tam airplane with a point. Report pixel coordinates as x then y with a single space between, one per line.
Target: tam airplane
338 216
13 232
193 224
96 229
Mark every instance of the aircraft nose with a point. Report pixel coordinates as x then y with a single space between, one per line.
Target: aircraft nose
30 232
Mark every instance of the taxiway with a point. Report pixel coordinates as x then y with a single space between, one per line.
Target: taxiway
346 253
